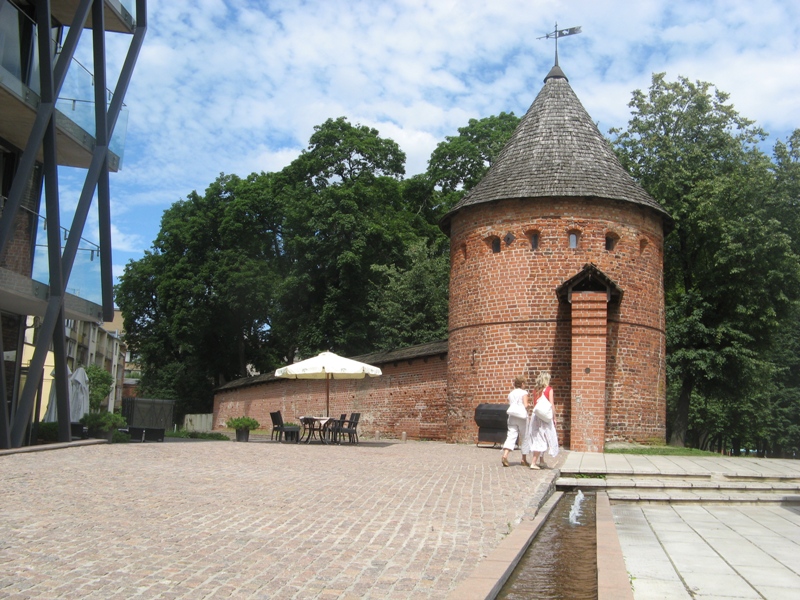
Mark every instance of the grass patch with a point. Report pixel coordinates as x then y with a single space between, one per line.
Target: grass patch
197 435
660 451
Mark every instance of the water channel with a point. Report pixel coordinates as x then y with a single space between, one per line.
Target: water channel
561 562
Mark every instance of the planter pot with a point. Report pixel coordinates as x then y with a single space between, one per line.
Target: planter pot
242 435
101 435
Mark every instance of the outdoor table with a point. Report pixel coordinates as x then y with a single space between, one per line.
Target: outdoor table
317 427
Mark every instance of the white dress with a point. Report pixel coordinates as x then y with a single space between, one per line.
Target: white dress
517 426
541 436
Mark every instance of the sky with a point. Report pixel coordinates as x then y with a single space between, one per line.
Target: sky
237 86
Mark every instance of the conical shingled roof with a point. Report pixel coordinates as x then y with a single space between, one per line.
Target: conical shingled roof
556 150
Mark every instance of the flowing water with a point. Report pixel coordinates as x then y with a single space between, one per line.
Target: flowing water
575 511
561 563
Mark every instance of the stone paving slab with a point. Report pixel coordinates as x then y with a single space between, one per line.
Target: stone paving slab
710 551
677 545
256 520
681 466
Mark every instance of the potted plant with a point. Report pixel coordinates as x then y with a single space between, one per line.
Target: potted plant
103 424
242 425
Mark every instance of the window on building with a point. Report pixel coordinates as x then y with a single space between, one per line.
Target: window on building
495 245
611 241
534 239
574 237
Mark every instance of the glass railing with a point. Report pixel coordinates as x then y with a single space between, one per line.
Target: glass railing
76 100
84 280
130 6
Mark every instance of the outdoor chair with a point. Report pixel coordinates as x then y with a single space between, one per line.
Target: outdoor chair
335 427
350 428
290 433
277 425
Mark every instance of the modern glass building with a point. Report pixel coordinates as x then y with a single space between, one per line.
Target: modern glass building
55 110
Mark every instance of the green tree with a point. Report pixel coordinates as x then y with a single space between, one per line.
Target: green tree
782 395
731 276
345 212
100 384
336 251
460 162
410 305
198 305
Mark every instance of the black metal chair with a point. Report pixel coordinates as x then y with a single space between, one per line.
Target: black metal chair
289 433
277 425
350 428
335 427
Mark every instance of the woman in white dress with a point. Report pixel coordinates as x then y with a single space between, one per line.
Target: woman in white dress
517 419
542 436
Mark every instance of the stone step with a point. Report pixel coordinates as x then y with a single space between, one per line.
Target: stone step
717 489
682 475
681 484
705 497
674 490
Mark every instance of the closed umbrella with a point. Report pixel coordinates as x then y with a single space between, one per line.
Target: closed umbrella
327 366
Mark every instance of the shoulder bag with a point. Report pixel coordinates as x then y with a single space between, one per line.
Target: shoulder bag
517 410
543 409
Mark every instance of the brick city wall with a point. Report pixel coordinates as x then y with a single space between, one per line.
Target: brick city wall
409 397
505 317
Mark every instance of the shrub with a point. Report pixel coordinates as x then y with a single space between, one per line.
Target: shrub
242 423
48 432
103 421
120 437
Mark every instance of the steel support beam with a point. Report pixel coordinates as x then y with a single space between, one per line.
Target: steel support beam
52 327
50 154
43 115
5 439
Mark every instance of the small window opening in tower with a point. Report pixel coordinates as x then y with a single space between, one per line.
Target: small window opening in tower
509 238
611 241
534 238
642 245
574 236
495 245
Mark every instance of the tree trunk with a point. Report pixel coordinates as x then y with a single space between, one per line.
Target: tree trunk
680 421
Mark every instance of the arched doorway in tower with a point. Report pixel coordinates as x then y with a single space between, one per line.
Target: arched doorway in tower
589 295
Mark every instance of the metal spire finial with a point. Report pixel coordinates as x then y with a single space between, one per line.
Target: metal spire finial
557 33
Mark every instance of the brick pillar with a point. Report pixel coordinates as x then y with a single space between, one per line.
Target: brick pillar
588 423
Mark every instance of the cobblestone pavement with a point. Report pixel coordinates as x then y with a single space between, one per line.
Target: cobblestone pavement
255 520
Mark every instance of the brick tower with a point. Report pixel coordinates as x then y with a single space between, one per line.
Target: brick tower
557 265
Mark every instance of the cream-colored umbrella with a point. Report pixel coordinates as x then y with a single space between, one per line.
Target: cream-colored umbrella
327 366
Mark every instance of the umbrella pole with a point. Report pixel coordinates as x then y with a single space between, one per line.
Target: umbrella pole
327 394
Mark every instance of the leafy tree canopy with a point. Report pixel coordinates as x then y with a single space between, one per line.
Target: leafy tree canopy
460 162
731 275
100 384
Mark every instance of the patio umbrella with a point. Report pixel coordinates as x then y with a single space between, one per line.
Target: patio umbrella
328 366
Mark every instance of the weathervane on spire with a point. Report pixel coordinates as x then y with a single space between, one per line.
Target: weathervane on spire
558 33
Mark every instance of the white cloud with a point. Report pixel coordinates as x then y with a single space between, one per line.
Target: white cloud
237 87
